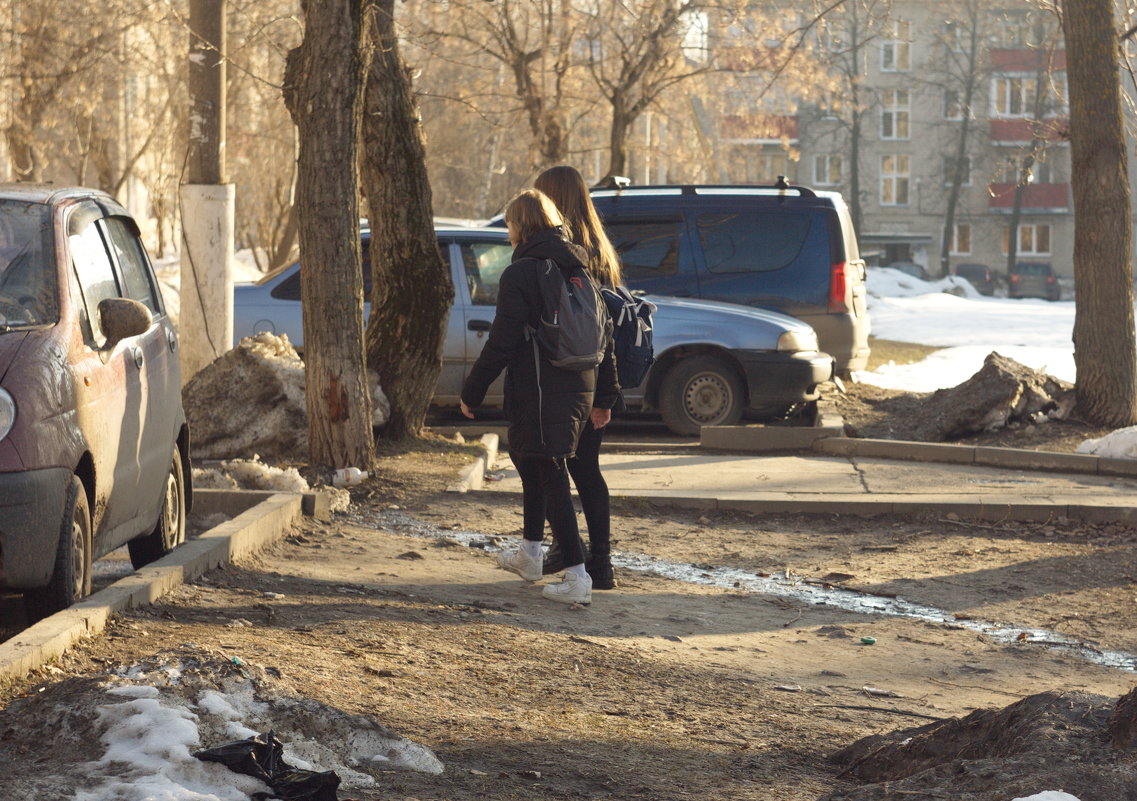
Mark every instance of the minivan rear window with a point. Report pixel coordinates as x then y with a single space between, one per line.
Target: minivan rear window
647 248
740 242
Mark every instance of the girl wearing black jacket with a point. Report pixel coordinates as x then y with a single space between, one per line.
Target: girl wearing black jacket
545 418
565 186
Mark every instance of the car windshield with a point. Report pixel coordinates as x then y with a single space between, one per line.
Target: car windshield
28 293
1027 268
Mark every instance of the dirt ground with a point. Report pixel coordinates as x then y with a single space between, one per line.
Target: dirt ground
662 689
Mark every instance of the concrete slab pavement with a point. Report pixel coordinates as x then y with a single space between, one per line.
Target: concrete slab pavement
1027 485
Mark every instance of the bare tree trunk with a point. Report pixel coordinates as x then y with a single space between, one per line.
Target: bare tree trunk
970 78
1105 353
323 91
618 140
856 206
411 287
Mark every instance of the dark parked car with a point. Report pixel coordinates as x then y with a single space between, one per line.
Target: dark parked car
93 438
789 249
1033 279
909 268
714 362
978 275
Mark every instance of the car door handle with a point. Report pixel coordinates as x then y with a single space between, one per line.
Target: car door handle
479 325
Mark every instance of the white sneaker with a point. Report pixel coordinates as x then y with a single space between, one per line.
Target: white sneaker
572 590
519 562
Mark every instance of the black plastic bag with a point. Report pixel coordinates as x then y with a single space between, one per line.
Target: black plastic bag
262 757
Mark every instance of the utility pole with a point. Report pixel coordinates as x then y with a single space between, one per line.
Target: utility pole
207 199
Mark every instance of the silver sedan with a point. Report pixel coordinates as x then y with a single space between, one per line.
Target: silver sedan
715 363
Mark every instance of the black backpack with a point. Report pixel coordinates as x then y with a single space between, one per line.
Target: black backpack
632 321
572 328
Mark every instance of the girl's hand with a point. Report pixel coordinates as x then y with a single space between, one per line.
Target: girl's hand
600 418
465 409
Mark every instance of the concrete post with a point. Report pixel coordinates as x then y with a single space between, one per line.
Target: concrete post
206 317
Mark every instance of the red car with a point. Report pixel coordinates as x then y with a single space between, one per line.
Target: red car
93 439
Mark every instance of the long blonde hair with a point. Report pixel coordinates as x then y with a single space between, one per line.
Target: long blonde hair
565 185
531 212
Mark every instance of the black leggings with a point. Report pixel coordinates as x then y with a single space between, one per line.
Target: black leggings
584 468
545 491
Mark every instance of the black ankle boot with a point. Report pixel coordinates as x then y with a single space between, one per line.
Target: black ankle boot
600 571
555 560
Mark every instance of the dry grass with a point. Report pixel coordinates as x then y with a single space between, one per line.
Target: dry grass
885 351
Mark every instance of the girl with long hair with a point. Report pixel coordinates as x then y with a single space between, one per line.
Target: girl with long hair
547 406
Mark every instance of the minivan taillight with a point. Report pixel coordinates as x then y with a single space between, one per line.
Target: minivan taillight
838 288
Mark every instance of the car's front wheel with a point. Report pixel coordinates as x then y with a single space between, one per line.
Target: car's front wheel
701 391
71 576
170 531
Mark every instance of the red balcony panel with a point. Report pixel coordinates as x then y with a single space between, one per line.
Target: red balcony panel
759 126
1022 130
1052 197
1027 60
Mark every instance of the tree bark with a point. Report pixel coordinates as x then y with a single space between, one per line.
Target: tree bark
1105 355
411 288
969 80
618 139
323 85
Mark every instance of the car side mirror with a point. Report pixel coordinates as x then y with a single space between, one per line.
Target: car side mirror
120 318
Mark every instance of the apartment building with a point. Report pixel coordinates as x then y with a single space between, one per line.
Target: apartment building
945 127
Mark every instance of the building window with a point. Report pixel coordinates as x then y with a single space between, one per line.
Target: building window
895 50
894 114
1034 240
954 108
949 171
961 239
894 180
1013 96
827 170
1021 29
956 37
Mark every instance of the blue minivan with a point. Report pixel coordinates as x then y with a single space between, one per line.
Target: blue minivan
786 248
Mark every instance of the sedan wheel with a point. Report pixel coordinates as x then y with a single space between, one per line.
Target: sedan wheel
71 578
170 531
701 391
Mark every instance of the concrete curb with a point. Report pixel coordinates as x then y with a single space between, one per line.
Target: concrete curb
1014 458
473 475
771 438
258 519
965 507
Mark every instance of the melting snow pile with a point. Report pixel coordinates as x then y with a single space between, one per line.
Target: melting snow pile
146 722
251 400
1119 444
253 474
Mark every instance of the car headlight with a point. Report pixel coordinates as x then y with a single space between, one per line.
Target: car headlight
798 340
7 413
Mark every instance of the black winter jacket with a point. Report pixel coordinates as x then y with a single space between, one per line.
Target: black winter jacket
551 428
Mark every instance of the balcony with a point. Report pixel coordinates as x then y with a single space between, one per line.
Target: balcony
1037 198
1023 131
759 128
1027 60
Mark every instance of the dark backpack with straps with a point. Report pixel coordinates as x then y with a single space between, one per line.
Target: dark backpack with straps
632 321
572 328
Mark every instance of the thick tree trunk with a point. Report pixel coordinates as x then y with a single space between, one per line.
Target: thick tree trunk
1105 354
411 287
323 85
970 78
618 140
